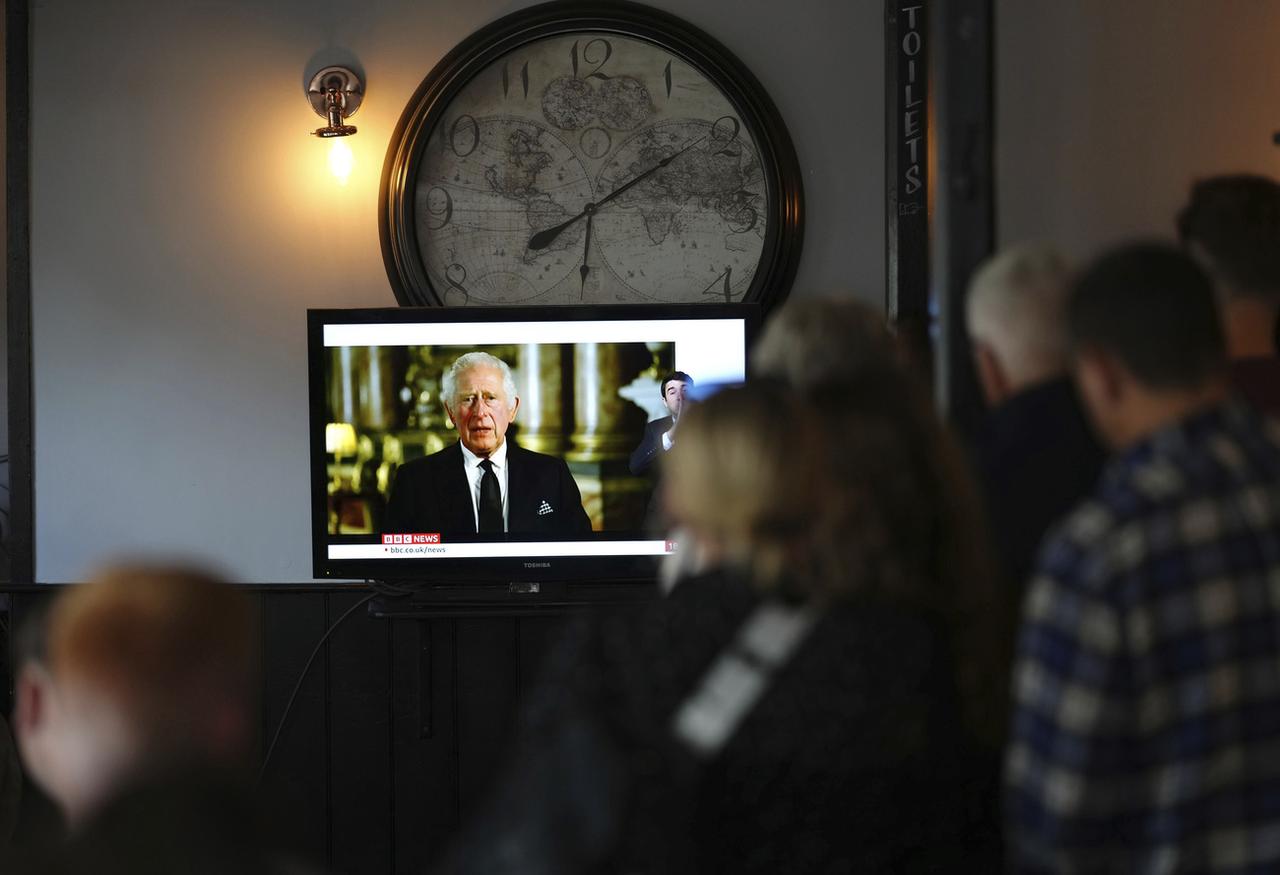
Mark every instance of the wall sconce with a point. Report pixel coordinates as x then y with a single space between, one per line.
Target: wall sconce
335 94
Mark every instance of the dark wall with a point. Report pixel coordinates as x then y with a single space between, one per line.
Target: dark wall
398 728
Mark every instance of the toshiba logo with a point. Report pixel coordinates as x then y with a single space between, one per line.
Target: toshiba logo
537 565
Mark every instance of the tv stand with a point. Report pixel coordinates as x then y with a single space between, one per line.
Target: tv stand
425 600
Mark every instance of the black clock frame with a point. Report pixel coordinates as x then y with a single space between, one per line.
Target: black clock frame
784 234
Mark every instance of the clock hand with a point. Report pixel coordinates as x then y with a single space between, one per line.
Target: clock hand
547 236
586 268
652 170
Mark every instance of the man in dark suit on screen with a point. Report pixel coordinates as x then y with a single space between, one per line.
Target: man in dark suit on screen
659 435
484 484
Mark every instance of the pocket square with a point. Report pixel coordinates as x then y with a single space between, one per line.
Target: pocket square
545 509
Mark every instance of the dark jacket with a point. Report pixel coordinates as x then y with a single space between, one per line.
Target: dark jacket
643 456
196 822
851 761
432 494
1036 459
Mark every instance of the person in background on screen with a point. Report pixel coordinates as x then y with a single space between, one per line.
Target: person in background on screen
1231 227
136 715
660 434
658 439
484 484
1035 455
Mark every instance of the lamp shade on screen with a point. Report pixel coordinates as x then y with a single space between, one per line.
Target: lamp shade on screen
340 438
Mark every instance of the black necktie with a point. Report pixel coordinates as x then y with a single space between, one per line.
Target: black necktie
490 501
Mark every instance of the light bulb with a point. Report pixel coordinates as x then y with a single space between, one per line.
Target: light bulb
340 159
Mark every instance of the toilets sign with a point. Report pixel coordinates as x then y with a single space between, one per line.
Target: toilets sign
907 159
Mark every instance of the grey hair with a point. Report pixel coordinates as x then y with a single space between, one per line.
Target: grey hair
813 340
449 380
1017 306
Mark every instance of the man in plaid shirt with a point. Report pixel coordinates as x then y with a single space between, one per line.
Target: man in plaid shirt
1146 729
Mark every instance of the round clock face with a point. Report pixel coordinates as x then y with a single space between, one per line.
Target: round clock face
590 152
590 168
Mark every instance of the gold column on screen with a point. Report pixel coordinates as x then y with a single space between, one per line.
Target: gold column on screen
540 381
600 413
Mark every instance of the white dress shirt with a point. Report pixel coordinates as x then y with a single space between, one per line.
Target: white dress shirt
475 474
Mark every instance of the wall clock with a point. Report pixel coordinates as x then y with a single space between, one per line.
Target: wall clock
592 153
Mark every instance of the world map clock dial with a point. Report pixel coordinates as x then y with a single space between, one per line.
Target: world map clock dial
589 166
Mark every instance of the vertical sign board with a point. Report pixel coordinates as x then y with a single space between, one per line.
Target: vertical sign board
906 159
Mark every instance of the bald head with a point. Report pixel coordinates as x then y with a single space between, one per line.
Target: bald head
1016 319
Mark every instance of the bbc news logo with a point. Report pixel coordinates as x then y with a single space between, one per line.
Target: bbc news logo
429 538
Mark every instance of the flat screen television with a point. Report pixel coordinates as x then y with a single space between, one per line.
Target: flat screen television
398 489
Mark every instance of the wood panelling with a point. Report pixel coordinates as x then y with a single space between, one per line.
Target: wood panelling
361 756
485 701
297 781
424 740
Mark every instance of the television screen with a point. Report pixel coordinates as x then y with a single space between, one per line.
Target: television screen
492 445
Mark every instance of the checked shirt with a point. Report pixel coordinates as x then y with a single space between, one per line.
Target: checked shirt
1146 727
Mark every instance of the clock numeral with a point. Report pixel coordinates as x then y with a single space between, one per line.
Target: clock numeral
723 132
524 80
436 210
666 75
588 59
455 275
727 276
461 125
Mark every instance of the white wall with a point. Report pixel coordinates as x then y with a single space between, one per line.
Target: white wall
1107 111
182 222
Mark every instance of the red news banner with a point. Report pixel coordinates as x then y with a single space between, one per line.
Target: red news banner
428 538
